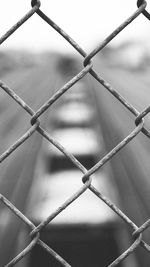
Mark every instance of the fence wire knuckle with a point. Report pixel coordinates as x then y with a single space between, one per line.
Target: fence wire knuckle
142 115
145 12
127 252
86 175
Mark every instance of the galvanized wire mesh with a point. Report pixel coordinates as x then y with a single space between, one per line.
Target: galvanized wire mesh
86 175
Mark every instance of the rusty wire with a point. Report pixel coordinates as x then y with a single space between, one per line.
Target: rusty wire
85 175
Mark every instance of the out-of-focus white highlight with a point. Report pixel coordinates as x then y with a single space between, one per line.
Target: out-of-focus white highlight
74 113
87 23
54 189
77 141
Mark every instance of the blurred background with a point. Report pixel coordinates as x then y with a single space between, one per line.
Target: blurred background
35 62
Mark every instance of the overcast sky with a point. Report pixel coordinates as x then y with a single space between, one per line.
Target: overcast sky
87 22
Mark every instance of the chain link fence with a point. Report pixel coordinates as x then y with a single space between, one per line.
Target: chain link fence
85 174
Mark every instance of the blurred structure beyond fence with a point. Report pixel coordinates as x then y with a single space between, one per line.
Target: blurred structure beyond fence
14 197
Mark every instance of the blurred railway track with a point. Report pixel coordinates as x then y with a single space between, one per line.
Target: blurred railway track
131 165
127 174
